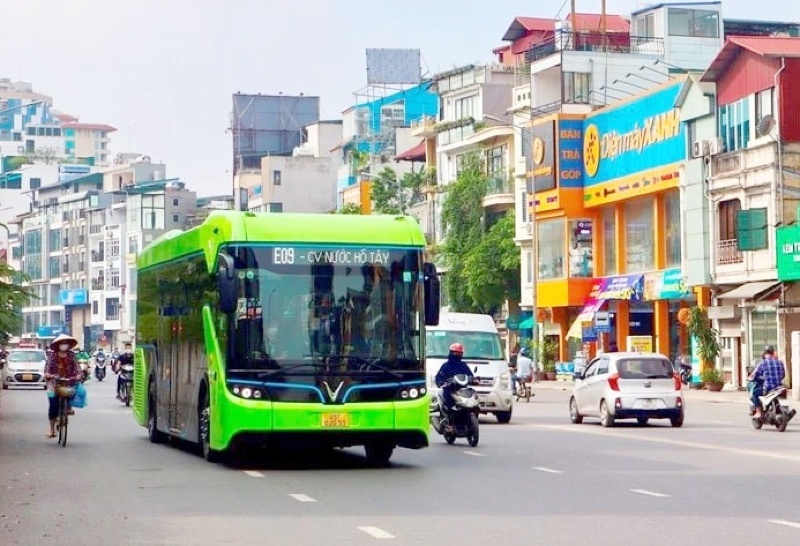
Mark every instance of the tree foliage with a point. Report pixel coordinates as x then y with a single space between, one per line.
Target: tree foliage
350 208
482 260
391 195
16 296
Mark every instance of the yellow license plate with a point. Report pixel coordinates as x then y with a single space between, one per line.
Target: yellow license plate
335 420
27 377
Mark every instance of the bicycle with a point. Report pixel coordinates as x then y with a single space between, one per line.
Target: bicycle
524 391
64 392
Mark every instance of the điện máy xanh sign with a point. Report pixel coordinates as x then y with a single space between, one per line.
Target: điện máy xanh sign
654 129
788 250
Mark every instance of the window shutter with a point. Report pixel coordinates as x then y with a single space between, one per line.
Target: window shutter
744 239
758 228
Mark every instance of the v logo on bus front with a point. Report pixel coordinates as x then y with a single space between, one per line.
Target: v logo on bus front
333 394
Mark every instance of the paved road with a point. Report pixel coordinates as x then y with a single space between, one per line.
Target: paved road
539 480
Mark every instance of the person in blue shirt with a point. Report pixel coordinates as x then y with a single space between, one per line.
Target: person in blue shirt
768 375
453 366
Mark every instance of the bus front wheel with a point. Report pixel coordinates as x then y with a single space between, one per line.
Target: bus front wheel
379 453
204 433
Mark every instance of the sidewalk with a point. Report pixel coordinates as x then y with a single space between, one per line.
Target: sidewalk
727 395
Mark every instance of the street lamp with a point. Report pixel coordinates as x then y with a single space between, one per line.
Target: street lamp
534 250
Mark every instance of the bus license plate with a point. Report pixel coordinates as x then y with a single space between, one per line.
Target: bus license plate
27 377
335 420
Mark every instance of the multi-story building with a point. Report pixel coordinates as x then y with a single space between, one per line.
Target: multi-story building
754 187
374 132
88 141
304 181
266 125
79 244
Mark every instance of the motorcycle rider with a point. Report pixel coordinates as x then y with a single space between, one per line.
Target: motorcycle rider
81 354
124 358
524 370
453 366
768 375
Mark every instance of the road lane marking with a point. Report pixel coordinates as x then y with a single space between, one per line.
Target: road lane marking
474 454
301 498
376 532
648 493
785 523
667 441
547 470
254 473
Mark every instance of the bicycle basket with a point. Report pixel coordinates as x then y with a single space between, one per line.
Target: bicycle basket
65 392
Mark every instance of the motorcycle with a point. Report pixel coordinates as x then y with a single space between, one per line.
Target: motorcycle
84 365
100 367
461 420
126 373
774 409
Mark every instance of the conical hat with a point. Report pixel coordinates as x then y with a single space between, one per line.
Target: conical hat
61 339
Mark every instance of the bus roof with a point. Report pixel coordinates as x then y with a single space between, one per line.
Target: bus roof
226 226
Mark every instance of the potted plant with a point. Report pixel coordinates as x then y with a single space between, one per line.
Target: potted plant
713 379
706 342
549 355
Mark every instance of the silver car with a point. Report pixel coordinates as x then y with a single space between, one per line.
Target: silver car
639 386
24 368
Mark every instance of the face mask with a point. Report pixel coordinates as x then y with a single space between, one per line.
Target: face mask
63 347
128 351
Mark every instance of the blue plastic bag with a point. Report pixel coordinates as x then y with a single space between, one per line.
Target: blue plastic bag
80 398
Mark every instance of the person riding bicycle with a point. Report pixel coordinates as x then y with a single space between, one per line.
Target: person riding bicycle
453 366
524 370
124 358
768 375
63 364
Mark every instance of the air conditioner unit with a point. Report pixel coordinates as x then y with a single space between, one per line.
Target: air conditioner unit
700 148
716 146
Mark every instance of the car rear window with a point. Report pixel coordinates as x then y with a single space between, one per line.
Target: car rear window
644 368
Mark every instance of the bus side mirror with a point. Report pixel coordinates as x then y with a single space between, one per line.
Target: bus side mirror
432 294
226 284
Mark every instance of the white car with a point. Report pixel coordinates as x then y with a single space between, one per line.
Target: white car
24 368
639 386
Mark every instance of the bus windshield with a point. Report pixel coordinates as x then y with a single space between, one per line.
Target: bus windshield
477 345
310 306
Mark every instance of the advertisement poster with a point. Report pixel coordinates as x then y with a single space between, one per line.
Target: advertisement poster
640 344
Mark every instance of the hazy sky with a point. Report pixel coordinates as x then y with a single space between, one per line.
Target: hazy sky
163 71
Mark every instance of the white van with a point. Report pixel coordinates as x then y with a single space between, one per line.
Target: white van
483 353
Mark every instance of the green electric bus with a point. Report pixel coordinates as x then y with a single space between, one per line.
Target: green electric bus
285 329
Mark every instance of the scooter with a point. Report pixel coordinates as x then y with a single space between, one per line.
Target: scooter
775 410
100 367
126 373
84 364
460 421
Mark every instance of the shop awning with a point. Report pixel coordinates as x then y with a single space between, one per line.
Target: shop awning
751 290
525 324
417 153
586 315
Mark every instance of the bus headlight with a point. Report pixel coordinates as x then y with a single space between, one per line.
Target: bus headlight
411 393
249 392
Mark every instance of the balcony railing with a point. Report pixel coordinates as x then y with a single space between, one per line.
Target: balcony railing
98 256
728 252
595 42
98 284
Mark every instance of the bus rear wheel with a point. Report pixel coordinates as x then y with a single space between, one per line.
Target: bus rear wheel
379 453
204 433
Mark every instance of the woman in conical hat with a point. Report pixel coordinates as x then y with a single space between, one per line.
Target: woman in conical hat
62 363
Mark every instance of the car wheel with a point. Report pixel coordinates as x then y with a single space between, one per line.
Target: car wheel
642 421
574 415
503 417
606 419
677 421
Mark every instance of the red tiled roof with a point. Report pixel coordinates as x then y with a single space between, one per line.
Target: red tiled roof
592 21
89 126
522 25
417 153
765 46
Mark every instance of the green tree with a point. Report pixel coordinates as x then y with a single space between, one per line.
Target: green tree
493 266
393 196
15 297
462 223
350 208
